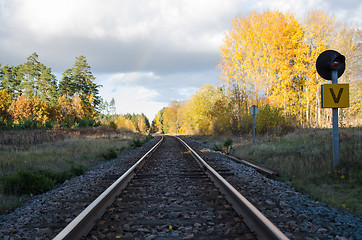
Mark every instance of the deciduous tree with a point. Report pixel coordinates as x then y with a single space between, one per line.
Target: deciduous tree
5 102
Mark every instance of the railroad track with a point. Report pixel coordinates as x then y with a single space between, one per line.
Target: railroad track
171 193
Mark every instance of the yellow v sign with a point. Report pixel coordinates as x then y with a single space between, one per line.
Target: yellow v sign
338 98
335 95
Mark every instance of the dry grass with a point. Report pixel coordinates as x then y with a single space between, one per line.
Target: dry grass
18 140
56 151
304 160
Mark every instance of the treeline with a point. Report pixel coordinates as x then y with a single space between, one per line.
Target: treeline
32 97
268 59
124 122
210 112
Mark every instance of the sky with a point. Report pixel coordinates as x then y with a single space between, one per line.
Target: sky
145 53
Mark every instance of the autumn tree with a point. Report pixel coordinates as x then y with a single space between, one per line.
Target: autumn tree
65 113
30 91
5 102
171 123
268 59
125 124
272 55
157 123
207 112
143 123
319 31
348 41
30 108
132 122
261 58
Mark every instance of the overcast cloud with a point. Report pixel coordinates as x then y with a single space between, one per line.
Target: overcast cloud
145 53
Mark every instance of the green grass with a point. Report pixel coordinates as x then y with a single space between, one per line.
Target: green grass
139 141
304 160
32 163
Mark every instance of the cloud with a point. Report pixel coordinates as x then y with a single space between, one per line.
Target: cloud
132 78
174 85
141 51
147 92
128 36
133 99
173 21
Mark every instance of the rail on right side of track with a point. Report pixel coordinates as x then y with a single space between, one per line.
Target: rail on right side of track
253 218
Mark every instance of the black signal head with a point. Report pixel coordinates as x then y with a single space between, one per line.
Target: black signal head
328 61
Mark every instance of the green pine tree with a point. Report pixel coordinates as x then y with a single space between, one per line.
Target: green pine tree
37 80
79 79
9 80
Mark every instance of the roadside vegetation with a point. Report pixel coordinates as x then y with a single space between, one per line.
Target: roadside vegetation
34 161
304 160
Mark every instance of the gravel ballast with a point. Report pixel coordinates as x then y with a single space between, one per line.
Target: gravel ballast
295 214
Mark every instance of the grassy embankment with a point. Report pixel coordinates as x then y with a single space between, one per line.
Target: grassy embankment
34 161
304 160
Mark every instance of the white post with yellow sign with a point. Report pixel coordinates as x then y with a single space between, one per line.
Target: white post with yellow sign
331 65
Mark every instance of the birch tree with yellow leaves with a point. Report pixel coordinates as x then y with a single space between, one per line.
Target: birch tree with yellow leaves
261 58
269 59
207 112
271 55
319 32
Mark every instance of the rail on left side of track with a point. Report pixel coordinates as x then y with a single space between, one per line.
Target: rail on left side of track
84 222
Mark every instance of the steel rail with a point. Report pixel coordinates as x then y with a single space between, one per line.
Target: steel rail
85 221
257 167
254 219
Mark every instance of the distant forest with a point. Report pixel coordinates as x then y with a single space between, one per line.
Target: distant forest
31 97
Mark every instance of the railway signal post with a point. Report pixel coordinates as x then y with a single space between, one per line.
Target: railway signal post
330 66
253 111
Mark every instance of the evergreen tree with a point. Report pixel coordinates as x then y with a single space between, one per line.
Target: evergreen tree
48 89
79 79
9 80
66 85
37 80
30 73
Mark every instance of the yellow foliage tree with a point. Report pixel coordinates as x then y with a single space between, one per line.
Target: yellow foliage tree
271 55
5 102
348 41
157 123
206 112
125 124
23 108
171 123
319 31
77 107
261 58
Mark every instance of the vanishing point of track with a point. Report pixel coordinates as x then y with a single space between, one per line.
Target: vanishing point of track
171 193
